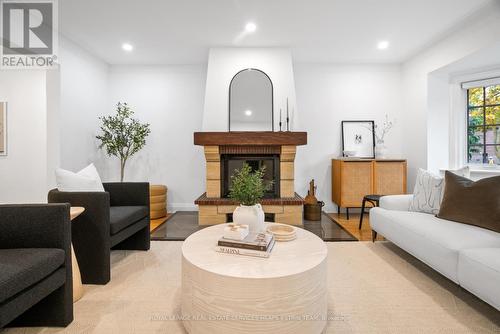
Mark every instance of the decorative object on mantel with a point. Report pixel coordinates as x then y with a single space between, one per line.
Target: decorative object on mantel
287 116
248 188
358 137
3 128
312 207
280 123
122 135
380 132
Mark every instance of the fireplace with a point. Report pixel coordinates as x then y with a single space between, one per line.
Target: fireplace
232 162
227 151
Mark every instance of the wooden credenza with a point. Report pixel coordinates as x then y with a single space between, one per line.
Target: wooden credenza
352 179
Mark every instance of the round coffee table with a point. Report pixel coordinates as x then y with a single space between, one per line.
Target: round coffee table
224 293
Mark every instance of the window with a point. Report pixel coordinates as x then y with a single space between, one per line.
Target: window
483 126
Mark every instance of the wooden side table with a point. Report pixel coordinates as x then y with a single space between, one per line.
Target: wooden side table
74 212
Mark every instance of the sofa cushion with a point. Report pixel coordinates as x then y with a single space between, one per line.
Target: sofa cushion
427 193
14 306
87 179
434 241
22 268
479 272
396 202
475 203
121 217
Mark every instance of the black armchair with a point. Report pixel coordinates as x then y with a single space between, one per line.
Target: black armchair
115 219
36 286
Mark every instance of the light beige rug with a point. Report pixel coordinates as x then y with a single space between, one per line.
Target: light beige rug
373 288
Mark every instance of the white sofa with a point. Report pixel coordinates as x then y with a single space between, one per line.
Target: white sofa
467 255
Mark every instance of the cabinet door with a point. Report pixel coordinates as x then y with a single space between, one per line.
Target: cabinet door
356 182
390 177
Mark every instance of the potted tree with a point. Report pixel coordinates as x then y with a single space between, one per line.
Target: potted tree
122 135
248 188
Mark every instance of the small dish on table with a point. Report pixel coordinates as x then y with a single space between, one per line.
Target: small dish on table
282 232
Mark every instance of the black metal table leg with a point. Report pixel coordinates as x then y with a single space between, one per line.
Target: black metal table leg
347 213
362 213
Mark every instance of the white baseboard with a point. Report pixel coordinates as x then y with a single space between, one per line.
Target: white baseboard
173 207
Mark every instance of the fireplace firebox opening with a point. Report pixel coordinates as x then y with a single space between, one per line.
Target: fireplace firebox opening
232 162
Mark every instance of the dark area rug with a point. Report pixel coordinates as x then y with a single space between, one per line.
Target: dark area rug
184 223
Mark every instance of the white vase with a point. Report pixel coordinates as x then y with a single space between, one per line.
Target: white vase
253 216
381 151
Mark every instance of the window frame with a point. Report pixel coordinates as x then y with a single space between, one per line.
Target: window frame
483 126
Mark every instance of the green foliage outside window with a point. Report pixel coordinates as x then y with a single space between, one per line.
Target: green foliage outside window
483 130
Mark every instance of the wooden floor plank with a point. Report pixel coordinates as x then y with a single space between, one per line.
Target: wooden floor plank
157 222
352 224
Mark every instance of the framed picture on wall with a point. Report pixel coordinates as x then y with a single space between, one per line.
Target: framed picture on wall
358 139
3 128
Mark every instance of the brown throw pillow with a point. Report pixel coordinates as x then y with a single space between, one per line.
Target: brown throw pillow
474 203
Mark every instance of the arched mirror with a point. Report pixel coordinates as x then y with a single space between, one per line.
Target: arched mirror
251 101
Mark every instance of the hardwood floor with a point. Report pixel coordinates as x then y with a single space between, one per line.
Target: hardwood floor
351 225
157 222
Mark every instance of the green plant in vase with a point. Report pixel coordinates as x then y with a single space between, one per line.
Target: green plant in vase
248 188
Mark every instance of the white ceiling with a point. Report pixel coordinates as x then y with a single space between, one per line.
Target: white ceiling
182 31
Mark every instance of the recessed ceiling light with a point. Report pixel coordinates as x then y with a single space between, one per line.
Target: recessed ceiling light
250 27
127 47
382 45
248 112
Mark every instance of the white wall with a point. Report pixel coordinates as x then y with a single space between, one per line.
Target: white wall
475 34
84 97
52 122
447 106
23 172
224 63
170 98
174 100
328 94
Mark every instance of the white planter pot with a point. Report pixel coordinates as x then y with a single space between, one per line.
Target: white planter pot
253 216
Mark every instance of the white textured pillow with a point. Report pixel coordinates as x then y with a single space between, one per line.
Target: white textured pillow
428 192
85 180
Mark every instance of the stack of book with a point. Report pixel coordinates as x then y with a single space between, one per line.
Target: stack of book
255 244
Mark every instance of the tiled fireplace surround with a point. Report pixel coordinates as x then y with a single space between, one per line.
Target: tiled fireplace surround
214 209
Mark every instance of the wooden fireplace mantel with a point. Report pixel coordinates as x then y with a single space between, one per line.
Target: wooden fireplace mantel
250 138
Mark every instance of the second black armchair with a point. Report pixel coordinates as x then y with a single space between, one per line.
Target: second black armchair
115 219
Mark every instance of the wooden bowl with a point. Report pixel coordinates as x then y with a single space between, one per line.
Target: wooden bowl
282 232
